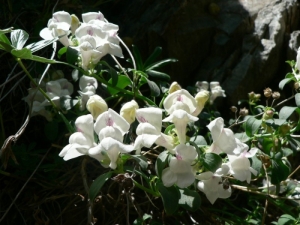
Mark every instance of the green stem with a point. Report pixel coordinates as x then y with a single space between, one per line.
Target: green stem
155 194
33 81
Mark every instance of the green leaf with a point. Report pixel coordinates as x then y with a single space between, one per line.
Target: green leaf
160 64
153 88
42 59
198 140
24 53
123 81
4 39
256 164
242 137
18 38
212 161
142 160
157 51
138 58
286 219
297 99
252 125
51 130
279 171
158 75
66 102
286 111
61 51
161 162
286 151
284 82
40 44
72 55
189 199
5 47
97 185
114 76
170 197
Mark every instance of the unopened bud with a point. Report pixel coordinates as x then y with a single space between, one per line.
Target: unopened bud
233 109
128 111
174 87
96 105
74 23
251 95
276 95
268 115
201 98
296 85
268 92
244 112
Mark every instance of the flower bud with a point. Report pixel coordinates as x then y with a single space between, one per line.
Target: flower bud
74 23
268 92
268 115
296 85
244 112
276 95
233 109
96 105
128 111
174 87
202 85
201 98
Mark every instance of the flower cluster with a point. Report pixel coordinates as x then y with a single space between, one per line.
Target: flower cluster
215 89
93 38
54 90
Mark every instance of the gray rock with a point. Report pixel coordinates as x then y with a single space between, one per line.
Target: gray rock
243 44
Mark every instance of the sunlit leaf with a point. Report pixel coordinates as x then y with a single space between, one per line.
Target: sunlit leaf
252 125
123 81
158 75
160 63
286 111
284 82
189 199
279 171
22 53
212 161
18 38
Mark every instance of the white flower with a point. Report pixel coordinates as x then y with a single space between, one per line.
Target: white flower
58 25
216 91
202 85
88 86
180 171
180 99
212 185
96 106
223 138
128 111
82 140
58 88
112 119
180 118
112 148
149 130
240 166
104 40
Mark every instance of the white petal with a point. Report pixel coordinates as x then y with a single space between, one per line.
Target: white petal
185 179
168 177
144 140
205 175
86 17
226 141
216 127
150 115
187 153
46 34
146 128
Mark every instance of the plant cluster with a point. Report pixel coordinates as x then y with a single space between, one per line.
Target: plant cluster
149 135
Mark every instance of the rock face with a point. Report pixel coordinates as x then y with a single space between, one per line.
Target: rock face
242 44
